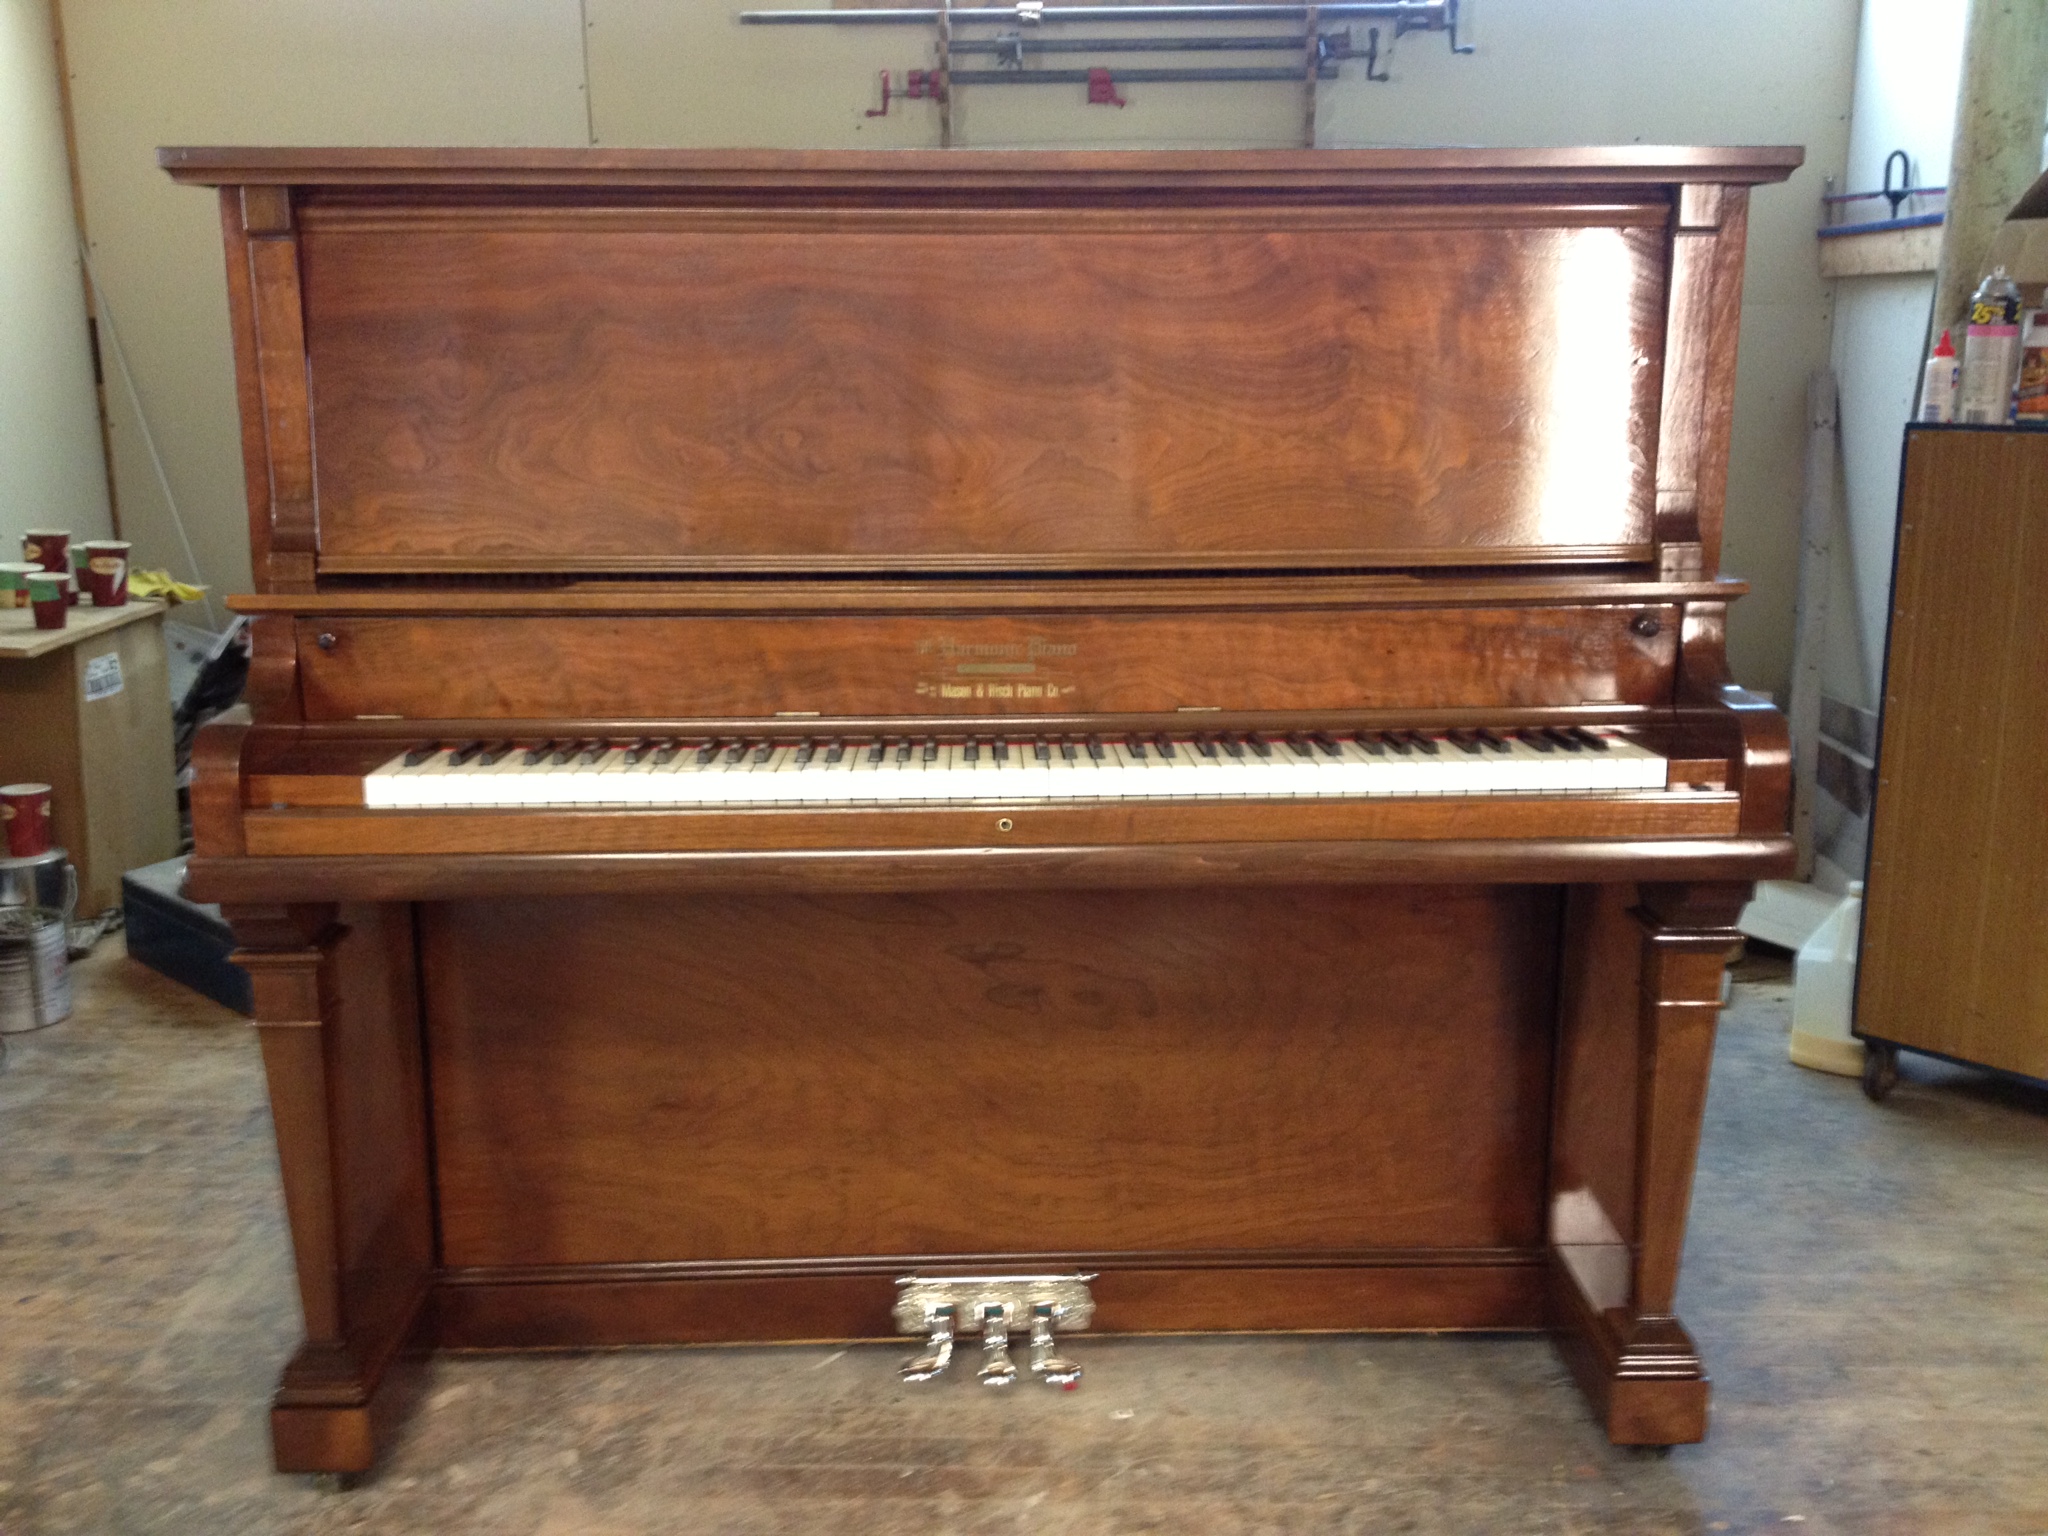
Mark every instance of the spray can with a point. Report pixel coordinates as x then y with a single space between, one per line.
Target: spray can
2030 395
1938 383
1991 351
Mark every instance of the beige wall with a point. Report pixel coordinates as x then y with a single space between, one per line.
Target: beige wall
683 72
52 469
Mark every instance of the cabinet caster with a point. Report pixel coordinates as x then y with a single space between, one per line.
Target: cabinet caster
1880 1069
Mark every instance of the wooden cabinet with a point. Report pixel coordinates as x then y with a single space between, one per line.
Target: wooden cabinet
87 710
1955 926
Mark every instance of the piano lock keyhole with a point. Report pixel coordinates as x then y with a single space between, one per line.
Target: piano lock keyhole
1647 625
1004 824
325 641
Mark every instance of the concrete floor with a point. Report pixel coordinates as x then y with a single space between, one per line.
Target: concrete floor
1869 1284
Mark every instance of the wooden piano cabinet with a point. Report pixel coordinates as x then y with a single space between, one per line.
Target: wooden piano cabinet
595 444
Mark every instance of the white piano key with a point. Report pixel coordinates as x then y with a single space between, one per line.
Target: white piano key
1128 768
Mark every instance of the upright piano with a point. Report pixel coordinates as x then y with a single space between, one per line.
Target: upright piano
1148 731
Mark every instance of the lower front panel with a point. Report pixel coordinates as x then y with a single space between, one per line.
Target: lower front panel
730 1117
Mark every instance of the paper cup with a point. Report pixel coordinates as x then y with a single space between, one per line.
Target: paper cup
105 576
48 547
14 575
46 597
25 810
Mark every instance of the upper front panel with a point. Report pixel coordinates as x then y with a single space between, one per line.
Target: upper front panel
510 385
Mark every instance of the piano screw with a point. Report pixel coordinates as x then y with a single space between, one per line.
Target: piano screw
326 640
1647 625
1005 824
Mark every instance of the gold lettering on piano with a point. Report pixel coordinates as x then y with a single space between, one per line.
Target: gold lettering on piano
987 655
999 670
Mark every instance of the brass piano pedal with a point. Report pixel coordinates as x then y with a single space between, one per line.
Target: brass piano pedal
937 1354
997 1370
994 1306
1054 1370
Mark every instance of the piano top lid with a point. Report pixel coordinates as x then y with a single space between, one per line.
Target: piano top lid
988 172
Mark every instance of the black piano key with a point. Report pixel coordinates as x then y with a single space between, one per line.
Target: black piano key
457 756
1325 745
592 751
1564 739
805 750
835 751
1204 745
1041 751
931 749
1298 745
1001 750
1095 748
1397 742
1492 742
495 753
1165 746
1536 739
635 750
414 756
708 752
1597 743
1464 741
1370 743
736 751
1233 747
1259 745
666 751
564 750
1426 745
1069 751
1136 748
879 749
971 752
764 751
538 753
904 748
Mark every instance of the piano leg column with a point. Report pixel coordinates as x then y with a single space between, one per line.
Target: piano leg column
336 1016
1641 998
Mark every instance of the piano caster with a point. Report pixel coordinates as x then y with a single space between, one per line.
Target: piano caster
1054 1370
997 1370
1880 1069
938 1350
994 1306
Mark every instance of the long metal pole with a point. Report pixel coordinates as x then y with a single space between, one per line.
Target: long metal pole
945 20
1193 75
1432 15
1279 42
1311 67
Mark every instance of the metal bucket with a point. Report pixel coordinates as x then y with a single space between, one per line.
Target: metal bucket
37 898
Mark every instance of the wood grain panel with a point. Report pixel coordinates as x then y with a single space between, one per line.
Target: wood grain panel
1956 914
733 1078
823 394
995 824
603 1306
859 665
1214 865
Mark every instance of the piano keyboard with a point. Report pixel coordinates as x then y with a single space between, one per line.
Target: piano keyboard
761 771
